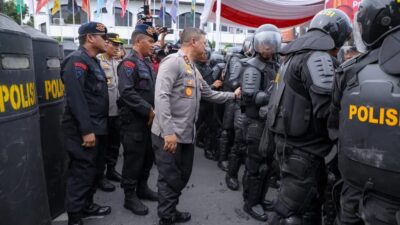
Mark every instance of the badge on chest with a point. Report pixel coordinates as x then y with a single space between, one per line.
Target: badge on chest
189 86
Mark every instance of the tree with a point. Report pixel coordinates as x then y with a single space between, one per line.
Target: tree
10 9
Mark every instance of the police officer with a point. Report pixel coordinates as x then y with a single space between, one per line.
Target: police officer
232 112
84 122
228 135
365 109
205 121
256 76
179 88
211 114
297 116
136 105
109 62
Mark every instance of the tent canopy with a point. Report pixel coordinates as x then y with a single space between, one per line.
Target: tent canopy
253 13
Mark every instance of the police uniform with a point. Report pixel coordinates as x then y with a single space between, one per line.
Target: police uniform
179 88
227 134
255 76
365 112
109 66
234 115
204 122
86 112
255 178
136 88
297 115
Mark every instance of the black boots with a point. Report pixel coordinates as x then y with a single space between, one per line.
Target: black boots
180 217
94 209
232 182
105 185
223 165
144 192
224 149
256 211
112 174
75 219
231 179
133 203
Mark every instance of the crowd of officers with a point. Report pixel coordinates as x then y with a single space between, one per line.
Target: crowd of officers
315 119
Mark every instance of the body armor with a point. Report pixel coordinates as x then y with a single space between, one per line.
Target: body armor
368 131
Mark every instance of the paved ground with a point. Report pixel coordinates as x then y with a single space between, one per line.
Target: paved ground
206 197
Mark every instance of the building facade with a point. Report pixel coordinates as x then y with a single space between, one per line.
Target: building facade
64 24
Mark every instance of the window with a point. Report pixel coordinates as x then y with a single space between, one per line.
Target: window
186 20
67 16
223 28
125 21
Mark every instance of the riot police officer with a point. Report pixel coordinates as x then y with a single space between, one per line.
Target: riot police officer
136 104
365 109
205 121
84 122
227 135
233 117
256 76
297 115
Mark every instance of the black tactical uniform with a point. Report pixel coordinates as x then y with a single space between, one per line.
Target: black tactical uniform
365 110
297 115
136 88
86 111
227 134
256 76
205 120
232 112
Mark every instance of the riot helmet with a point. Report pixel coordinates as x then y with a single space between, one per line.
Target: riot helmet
267 38
216 58
376 19
248 46
333 22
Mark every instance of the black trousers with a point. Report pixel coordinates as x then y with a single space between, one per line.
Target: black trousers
239 150
255 176
83 173
359 207
303 181
138 156
174 171
114 141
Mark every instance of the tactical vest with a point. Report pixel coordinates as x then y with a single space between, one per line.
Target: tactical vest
289 113
369 131
251 83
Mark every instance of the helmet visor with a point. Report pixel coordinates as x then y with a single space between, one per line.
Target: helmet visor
358 41
267 41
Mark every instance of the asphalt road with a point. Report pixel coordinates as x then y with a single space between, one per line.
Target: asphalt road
206 197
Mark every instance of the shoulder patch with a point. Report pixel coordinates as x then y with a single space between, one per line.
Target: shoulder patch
80 65
129 64
321 68
79 69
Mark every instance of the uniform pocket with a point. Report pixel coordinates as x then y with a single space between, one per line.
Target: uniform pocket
143 81
296 166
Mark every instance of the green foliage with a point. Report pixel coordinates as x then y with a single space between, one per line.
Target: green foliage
228 45
213 44
10 9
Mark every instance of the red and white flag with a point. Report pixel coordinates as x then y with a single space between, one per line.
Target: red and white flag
124 4
86 7
40 4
